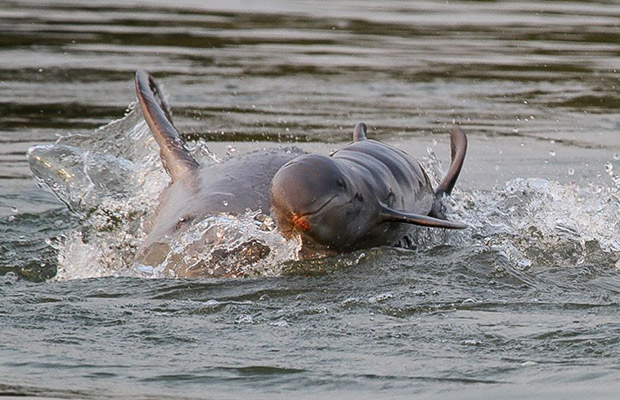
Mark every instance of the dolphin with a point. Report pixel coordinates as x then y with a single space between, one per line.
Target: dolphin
364 195
234 186
367 194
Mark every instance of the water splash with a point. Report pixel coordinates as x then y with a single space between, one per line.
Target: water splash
226 245
112 179
534 221
117 161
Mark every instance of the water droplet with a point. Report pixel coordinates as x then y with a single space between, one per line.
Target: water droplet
225 203
552 153
617 156
571 171
609 168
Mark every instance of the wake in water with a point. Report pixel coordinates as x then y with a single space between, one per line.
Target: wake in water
112 178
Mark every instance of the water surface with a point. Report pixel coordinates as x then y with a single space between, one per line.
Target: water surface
523 304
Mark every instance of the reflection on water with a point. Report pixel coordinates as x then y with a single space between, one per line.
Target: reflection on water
525 300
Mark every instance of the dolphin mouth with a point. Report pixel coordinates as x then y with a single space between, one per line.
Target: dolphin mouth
300 222
318 210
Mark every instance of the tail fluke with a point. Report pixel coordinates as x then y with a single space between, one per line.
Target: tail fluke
176 159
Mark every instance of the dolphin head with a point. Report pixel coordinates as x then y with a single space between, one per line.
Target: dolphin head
312 197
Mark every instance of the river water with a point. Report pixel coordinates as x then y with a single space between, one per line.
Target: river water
524 303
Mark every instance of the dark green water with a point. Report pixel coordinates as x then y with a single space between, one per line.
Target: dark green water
523 304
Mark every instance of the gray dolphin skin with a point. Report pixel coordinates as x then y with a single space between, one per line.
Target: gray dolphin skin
366 194
233 186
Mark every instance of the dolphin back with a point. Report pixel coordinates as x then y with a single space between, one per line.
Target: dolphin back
402 188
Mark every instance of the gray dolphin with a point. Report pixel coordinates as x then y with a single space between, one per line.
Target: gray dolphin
367 194
233 186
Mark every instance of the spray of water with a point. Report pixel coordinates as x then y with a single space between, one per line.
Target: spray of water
534 221
112 178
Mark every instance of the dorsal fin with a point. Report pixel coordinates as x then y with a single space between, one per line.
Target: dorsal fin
458 146
174 156
359 133
390 215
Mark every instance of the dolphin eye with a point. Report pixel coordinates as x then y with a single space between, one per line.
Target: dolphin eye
341 183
